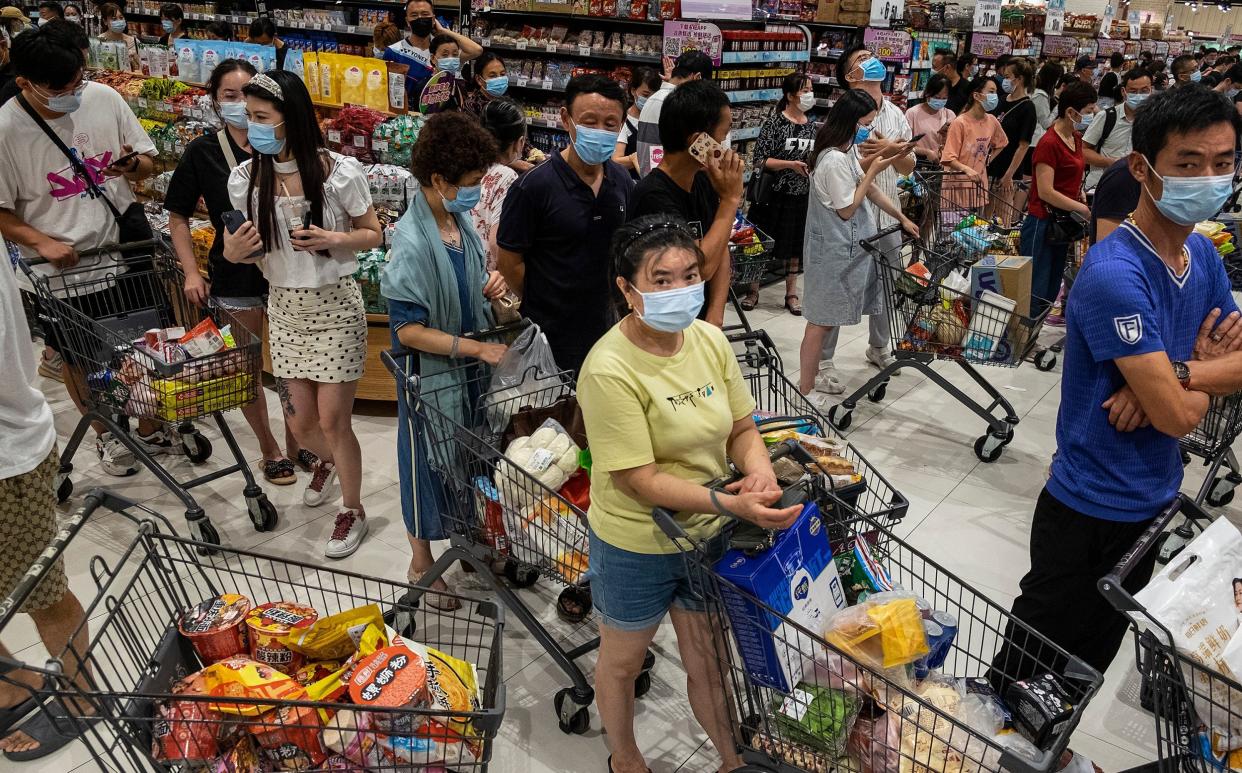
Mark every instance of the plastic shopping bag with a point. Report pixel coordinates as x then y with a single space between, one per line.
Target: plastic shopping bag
523 370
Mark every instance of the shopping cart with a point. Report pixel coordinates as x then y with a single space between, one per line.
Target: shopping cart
99 313
861 716
138 664
932 320
1189 701
750 263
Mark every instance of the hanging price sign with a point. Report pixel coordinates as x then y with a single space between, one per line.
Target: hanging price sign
1108 47
682 36
1054 17
1061 45
987 15
888 45
990 46
883 11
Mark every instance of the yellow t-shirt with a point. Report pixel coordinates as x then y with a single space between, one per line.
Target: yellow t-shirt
675 411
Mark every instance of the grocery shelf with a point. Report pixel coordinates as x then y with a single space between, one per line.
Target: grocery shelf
746 57
536 84
749 133
578 52
341 29
524 16
754 95
544 123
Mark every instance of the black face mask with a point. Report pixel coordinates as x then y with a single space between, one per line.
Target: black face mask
422 26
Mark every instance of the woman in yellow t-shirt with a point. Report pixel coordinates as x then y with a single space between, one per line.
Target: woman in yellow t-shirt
666 408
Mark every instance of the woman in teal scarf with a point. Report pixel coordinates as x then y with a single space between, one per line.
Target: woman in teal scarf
438 290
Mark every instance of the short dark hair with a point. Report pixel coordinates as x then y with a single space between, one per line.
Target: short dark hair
221 29
591 83
172 11
644 76
1234 73
49 55
693 63
948 57
70 33
935 84
451 144
1049 76
641 239
979 83
1116 59
428 2
54 7
1190 108
262 26
1083 63
1076 96
1130 76
843 64
693 107
438 40
1183 63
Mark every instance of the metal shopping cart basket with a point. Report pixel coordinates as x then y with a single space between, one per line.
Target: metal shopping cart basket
750 260
839 709
100 310
932 320
153 709
496 511
1194 706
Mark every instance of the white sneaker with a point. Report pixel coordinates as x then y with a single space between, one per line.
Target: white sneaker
881 358
114 457
351 527
157 443
827 380
822 400
318 491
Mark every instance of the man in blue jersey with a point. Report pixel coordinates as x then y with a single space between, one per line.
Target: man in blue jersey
1145 303
414 48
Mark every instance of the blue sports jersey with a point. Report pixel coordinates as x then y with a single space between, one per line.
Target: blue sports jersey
419 62
1126 301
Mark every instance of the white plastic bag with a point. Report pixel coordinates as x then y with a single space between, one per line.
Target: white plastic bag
521 371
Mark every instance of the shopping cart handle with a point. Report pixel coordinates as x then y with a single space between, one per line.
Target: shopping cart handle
39 260
1110 585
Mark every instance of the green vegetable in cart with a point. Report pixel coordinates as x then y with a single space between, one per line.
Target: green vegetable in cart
817 717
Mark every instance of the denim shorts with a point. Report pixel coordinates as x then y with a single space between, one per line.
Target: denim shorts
633 591
240 303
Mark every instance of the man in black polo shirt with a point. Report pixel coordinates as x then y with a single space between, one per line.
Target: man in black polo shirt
557 223
707 195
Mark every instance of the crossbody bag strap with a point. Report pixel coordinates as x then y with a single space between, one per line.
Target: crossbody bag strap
78 166
227 147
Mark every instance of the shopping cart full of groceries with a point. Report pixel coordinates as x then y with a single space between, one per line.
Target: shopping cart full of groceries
1187 643
245 662
505 448
961 305
840 647
141 350
752 257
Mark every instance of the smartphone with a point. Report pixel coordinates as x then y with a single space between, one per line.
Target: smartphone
918 137
234 219
704 147
125 159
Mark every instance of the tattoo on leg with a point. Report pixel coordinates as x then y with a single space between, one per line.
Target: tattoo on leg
286 401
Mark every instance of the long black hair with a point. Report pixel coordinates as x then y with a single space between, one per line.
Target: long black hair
505 120
479 65
792 84
842 121
304 141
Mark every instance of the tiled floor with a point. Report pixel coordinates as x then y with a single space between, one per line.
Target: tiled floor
974 518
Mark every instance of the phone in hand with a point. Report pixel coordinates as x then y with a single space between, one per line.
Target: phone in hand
705 147
918 137
124 160
235 219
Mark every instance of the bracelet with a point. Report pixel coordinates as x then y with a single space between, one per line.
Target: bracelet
711 492
453 348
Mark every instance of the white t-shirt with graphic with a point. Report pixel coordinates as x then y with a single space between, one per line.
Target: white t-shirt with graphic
38 183
25 417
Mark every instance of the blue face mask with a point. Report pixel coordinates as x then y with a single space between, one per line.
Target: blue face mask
234 114
1196 76
990 102
450 64
497 86
639 102
1134 100
861 134
117 25
467 199
1007 85
1190 200
64 103
937 104
263 138
594 146
874 70
167 25
672 311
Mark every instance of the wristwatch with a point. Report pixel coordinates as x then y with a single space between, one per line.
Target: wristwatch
1182 371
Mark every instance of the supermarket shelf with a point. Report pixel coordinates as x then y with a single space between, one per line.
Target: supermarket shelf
830 57
525 16
580 52
535 84
746 57
340 29
754 95
749 133
545 123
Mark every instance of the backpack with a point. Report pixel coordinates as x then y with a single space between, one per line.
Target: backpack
1110 121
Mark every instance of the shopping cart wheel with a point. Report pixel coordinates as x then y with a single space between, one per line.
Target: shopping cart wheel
262 512
877 393
1171 543
642 685
520 575
207 533
840 417
197 447
989 447
574 716
1046 360
1219 495
64 489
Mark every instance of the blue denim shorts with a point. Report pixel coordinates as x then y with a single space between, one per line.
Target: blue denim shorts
634 591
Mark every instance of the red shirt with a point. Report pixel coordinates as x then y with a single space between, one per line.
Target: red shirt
1067 165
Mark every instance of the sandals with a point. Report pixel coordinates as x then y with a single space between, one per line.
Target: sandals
278 471
794 307
306 460
749 301
52 728
610 765
574 604
436 599
14 714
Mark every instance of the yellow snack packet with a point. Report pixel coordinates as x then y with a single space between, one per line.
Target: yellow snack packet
310 75
902 636
337 637
243 678
353 80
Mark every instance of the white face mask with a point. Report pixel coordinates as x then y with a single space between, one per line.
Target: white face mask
806 101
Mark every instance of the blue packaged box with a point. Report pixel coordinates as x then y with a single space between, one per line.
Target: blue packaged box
797 580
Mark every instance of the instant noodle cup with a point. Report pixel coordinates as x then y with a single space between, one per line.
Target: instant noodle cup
242 758
287 730
453 691
270 625
186 729
390 678
216 627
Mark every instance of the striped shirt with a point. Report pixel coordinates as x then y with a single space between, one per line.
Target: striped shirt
892 124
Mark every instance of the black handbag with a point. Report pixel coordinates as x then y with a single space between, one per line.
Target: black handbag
1066 227
132 224
761 189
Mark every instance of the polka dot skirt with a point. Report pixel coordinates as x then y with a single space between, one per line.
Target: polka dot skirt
318 334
